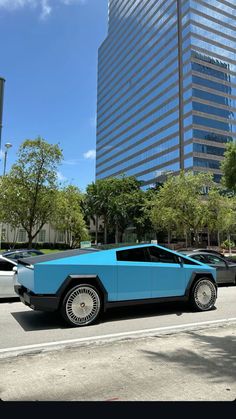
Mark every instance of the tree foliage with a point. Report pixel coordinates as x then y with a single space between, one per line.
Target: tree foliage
27 193
179 205
117 201
68 216
219 213
228 167
97 202
123 204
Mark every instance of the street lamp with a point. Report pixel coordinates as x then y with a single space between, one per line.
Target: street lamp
2 81
7 146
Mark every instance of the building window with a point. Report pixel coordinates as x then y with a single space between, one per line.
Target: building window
22 235
3 235
60 237
42 236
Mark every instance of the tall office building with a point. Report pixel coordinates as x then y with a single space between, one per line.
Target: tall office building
166 88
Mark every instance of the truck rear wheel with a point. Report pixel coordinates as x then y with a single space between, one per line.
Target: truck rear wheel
81 305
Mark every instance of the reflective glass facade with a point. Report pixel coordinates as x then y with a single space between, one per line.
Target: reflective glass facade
166 87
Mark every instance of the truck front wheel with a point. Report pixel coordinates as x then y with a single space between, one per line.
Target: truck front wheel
81 305
203 295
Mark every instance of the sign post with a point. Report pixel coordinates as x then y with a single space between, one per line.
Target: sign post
84 245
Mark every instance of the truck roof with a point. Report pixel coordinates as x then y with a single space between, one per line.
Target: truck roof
54 256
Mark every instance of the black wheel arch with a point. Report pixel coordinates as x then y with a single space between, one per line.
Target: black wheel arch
92 280
195 277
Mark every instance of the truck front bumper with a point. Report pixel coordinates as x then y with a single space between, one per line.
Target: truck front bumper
36 301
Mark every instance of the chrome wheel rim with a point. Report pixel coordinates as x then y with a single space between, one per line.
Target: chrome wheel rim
83 305
205 294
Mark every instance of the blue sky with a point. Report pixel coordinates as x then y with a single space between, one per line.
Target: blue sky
48 57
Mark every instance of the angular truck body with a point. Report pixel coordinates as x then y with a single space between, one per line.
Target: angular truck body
80 283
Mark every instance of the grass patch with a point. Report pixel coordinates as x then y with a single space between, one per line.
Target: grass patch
47 251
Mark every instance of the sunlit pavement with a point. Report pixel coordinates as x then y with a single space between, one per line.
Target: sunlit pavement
194 366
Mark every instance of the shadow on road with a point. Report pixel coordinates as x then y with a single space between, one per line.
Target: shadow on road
145 310
215 357
9 300
38 320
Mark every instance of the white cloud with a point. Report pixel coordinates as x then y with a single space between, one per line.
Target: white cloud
17 4
68 2
61 177
93 121
90 155
45 6
72 162
46 9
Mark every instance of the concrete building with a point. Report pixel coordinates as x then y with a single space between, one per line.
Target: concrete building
166 88
48 234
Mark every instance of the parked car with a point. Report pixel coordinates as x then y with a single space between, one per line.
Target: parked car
7 275
80 284
21 253
225 268
214 252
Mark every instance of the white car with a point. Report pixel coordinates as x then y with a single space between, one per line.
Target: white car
7 277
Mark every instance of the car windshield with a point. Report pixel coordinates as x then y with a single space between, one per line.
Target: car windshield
214 260
18 254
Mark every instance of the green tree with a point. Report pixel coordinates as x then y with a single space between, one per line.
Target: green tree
124 204
230 218
219 213
141 213
228 167
97 202
28 192
116 201
163 218
68 216
180 206
90 209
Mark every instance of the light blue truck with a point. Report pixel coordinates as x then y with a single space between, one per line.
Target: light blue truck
83 282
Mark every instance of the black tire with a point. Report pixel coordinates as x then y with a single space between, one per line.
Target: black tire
81 305
203 295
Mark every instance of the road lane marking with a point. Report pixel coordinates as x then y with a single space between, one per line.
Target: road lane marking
38 347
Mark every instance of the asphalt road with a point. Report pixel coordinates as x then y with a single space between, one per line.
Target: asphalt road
151 353
186 366
23 330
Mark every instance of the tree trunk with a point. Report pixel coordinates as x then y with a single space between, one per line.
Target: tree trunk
196 236
117 234
96 230
218 238
208 238
15 237
105 231
30 240
230 250
186 239
169 237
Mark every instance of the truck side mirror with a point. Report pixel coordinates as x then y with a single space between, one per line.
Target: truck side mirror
180 260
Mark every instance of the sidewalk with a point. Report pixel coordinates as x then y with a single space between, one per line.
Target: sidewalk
193 366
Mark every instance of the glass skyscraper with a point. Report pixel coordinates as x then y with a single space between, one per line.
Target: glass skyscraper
166 88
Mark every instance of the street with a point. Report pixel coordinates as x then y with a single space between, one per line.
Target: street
28 330
159 352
